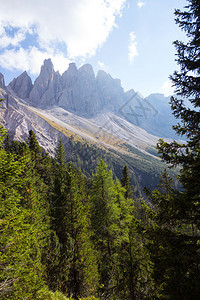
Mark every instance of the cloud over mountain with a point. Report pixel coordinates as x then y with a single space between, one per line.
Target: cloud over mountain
61 30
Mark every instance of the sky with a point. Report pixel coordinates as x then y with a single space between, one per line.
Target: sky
130 39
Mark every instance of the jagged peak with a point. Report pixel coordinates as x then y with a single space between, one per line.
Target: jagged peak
47 66
87 68
21 77
102 75
2 81
72 66
48 62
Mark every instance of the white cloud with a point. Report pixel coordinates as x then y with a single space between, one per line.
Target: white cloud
6 40
101 64
140 4
31 60
81 25
132 47
167 88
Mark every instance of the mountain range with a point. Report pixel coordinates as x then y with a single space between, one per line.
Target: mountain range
92 109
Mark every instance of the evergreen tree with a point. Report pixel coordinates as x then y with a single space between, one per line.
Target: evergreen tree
125 181
34 145
105 216
178 212
133 268
23 225
77 269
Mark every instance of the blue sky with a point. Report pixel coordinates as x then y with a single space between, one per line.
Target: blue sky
130 39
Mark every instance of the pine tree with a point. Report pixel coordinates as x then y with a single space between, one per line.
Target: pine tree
133 268
23 225
105 216
77 273
34 145
125 181
178 212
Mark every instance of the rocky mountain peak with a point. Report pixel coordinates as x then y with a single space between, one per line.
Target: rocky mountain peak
46 86
22 85
80 92
86 73
77 90
112 94
2 82
72 67
47 67
87 68
70 76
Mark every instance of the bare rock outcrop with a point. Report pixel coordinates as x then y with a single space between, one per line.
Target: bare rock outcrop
2 82
110 90
77 90
80 93
47 86
22 85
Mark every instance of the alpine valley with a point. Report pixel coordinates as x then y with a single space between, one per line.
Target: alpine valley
93 115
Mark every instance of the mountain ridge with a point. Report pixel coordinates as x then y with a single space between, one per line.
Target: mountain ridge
101 119
81 92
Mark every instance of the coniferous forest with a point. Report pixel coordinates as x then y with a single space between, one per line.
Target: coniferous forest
66 235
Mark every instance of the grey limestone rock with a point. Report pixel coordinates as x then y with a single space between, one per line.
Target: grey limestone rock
46 87
2 82
79 90
22 85
112 94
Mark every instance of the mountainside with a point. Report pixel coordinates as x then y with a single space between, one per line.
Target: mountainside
93 115
81 92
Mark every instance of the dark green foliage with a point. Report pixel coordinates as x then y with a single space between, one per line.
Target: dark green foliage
23 224
134 268
105 215
70 219
176 219
125 181
75 235
143 170
124 264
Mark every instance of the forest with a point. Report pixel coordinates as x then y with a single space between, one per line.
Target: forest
65 235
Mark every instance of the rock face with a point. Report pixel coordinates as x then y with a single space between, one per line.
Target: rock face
2 82
22 85
77 90
19 119
80 92
110 90
46 87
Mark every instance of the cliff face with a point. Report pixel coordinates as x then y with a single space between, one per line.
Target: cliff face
47 87
22 85
111 93
18 119
2 82
77 90
81 92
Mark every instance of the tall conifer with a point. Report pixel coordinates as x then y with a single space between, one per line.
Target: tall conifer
178 212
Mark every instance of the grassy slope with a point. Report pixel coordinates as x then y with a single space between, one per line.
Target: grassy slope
145 170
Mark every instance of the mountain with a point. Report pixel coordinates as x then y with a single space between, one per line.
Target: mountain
152 113
92 114
81 92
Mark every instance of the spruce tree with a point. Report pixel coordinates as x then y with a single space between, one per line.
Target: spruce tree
105 223
23 226
178 212
76 268
125 181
